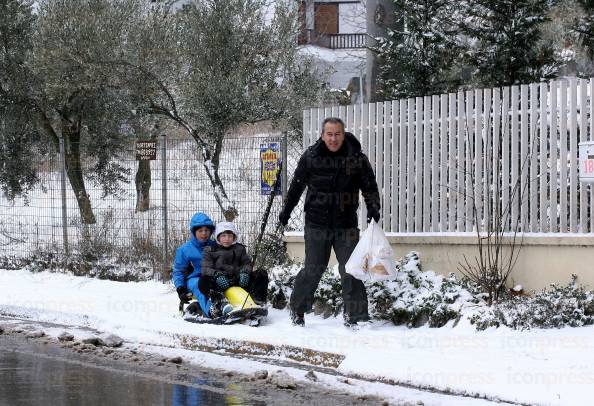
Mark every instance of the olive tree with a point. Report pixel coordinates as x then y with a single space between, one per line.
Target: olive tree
214 65
57 72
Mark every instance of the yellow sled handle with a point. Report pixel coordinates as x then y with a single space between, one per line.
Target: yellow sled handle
239 298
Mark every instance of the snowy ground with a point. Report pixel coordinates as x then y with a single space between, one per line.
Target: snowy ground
553 367
341 65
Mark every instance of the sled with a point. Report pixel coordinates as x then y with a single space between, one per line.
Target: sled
252 316
244 309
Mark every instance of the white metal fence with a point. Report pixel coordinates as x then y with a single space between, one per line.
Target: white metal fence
433 155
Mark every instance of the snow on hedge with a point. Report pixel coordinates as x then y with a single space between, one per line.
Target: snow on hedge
416 298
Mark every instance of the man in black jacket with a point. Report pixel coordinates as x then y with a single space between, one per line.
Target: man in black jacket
334 170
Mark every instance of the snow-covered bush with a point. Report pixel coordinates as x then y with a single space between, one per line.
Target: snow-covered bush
106 267
416 298
272 251
558 306
328 296
111 269
280 285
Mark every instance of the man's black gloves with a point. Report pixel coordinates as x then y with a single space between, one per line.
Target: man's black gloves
284 217
183 294
373 213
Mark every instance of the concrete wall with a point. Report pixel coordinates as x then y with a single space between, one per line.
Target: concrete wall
543 259
351 18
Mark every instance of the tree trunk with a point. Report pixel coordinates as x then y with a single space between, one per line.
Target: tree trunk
143 185
71 134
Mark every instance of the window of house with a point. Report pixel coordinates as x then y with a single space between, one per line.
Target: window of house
326 18
338 17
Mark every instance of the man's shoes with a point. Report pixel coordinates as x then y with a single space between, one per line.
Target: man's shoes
261 303
297 319
349 321
352 320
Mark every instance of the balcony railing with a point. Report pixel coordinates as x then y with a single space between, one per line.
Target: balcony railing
332 41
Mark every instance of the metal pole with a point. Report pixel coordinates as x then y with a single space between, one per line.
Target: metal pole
63 187
361 90
284 155
164 198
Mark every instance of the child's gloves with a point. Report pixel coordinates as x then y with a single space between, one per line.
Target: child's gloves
244 279
221 281
183 294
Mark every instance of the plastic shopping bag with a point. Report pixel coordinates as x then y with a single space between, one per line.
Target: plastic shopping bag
371 259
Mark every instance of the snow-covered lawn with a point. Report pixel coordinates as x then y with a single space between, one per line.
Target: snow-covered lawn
536 367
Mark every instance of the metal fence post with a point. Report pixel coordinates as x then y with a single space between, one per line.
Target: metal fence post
284 155
164 202
63 192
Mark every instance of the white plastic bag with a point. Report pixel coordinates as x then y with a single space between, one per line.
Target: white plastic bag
371 259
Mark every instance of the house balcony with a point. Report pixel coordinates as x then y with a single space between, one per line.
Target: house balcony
332 41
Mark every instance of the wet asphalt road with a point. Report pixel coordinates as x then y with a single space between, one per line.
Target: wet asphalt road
45 372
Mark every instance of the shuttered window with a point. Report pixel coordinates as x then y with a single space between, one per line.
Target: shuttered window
326 18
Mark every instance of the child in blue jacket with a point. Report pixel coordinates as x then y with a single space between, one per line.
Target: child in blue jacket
187 265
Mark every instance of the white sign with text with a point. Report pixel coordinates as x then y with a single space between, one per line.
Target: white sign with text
586 154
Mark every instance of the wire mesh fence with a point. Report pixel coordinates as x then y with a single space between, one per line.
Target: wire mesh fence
136 230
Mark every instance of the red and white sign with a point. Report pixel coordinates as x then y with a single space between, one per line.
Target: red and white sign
586 154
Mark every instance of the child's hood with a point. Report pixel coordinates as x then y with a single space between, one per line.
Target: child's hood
200 219
226 226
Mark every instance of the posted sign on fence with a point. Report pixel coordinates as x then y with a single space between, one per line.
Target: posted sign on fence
270 166
146 150
586 153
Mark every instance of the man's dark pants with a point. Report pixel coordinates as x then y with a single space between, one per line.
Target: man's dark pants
318 244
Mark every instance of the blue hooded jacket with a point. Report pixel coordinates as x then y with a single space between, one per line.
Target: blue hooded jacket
188 257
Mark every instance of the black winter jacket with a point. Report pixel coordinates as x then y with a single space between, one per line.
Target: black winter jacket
333 182
229 261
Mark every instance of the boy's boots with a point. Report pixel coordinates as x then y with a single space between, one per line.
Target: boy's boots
219 305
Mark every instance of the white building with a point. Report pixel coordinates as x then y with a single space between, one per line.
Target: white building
337 34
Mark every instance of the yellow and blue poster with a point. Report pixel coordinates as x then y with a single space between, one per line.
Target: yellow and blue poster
270 166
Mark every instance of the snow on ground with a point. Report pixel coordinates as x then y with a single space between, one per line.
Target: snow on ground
335 55
553 367
341 65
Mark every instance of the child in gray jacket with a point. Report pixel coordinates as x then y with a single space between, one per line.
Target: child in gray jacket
227 262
